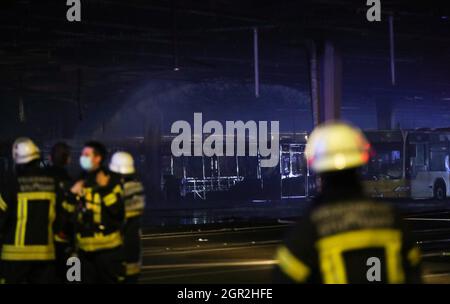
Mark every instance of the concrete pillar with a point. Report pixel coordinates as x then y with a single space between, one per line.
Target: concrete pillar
314 81
331 82
326 81
152 151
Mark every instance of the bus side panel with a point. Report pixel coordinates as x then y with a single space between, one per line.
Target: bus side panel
398 188
421 185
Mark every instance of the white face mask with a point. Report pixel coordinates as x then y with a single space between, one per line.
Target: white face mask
86 163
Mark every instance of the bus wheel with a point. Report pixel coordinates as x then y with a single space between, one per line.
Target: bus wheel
440 192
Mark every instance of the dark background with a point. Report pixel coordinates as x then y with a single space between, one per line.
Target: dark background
131 66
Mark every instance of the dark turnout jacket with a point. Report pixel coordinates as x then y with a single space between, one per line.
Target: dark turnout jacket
100 215
27 215
63 227
134 200
355 240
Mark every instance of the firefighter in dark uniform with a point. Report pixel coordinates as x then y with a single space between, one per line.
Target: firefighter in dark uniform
346 237
133 196
27 215
64 225
100 219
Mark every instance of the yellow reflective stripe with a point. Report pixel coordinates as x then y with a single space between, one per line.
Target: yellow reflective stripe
3 205
28 252
110 199
118 189
68 207
24 223
133 213
96 207
19 239
94 203
292 266
18 222
93 206
60 239
51 219
414 256
22 213
331 251
88 194
99 241
133 268
35 196
96 210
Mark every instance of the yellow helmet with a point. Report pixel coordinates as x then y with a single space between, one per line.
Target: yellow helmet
336 146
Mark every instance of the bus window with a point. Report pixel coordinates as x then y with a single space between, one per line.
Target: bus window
395 156
437 158
419 160
386 163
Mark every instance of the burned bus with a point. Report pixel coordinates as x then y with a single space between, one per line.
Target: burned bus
408 164
237 177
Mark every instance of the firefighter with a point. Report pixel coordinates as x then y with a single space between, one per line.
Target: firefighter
133 196
27 215
346 237
60 158
100 219
64 224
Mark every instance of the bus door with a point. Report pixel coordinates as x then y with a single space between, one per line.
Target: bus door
419 170
430 166
294 171
384 174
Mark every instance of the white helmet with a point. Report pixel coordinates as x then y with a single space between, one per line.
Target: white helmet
24 150
122 163
336 146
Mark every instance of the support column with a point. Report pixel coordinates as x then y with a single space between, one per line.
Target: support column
314 82
326 81
256 60
331 82
152 150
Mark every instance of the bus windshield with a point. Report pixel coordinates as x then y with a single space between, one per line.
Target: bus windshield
385 163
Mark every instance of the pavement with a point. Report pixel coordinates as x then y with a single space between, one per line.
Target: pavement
169 215
237 244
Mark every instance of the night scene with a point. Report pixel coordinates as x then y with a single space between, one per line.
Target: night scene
181 142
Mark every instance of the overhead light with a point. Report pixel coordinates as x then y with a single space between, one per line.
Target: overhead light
176 69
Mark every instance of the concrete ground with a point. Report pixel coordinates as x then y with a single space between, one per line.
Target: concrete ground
235 243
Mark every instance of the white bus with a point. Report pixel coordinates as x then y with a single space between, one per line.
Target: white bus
409 164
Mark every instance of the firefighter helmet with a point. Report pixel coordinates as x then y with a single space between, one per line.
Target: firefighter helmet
122 163
24 150
336 146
